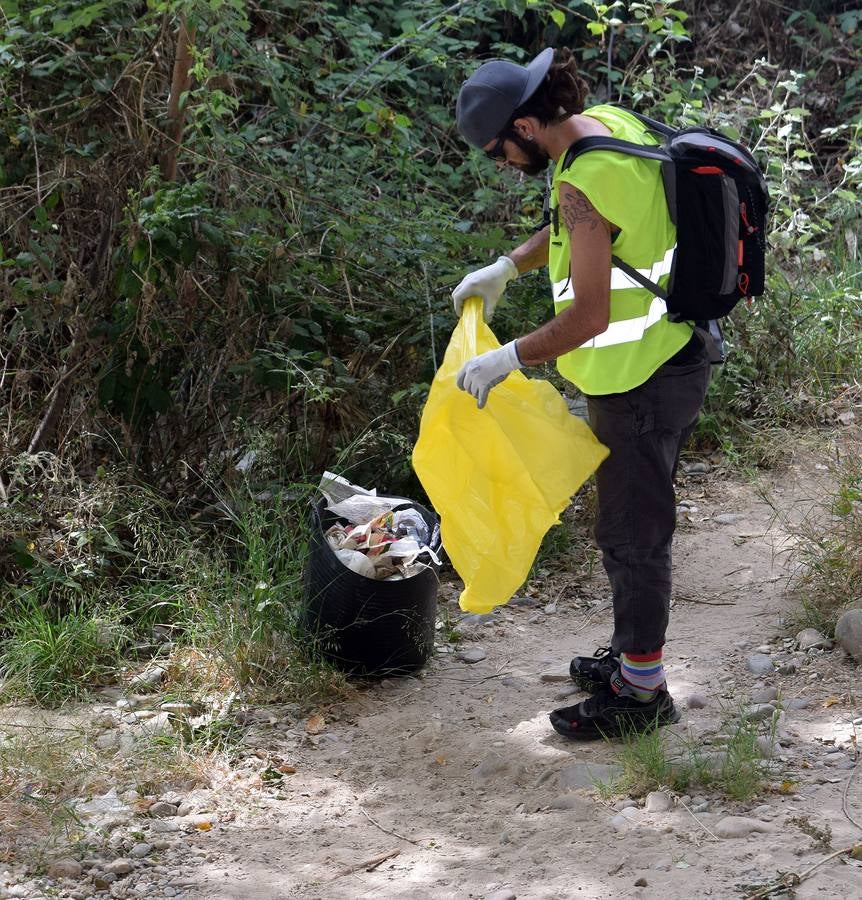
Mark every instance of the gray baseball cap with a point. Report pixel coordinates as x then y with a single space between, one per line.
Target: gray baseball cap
490 96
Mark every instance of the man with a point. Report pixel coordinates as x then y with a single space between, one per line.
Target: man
644 376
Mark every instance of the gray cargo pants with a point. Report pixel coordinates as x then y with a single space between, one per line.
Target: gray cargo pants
645 430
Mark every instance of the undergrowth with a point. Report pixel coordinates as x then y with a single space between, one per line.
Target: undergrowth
829 549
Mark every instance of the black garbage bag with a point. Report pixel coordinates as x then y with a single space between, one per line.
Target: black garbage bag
362 625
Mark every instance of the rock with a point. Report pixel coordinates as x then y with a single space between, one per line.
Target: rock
160 809
164 826
797 703
586 775
759 712
555 677
503 894
471 655
626 818
838 759
119 867
727 518
848 633
788 668
810 638
620 805
140 850
157 726
567 692
696 468
105 811
659 801
740 826
765 695
148 679
65 868
696 701
641 882
759 664
107 741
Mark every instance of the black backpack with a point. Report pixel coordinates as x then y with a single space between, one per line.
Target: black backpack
718 200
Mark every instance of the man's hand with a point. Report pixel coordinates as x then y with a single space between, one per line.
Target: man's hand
480 374
487 283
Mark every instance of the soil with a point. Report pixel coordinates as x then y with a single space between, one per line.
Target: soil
453 785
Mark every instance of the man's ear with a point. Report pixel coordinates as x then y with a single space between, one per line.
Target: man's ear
525 127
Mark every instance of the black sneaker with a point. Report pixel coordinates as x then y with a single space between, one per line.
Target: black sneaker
611 714
592 673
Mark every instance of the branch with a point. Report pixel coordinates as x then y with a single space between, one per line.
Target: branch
180 83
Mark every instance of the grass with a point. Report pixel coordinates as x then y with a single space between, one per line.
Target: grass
732 766
51 656
829 551
123 575
791 356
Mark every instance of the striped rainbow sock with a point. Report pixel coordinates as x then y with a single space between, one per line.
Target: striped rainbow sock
643 673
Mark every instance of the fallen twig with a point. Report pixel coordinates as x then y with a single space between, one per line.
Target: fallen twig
386 830
791 879
369 864
702 825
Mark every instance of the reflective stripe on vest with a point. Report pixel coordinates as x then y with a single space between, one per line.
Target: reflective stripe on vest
620 280
625 330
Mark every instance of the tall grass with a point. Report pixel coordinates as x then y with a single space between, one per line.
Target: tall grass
829 549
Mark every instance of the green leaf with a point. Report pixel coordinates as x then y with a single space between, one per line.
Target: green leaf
559 17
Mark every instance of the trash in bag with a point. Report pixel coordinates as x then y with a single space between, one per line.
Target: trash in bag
498 477
359 617
379 540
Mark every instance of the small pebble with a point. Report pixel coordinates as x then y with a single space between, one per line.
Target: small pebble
471 655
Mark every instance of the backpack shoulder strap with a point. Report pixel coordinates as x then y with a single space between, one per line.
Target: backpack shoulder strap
642 280
653 124
586 144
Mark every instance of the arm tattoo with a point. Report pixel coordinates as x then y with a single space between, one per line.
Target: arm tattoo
577 209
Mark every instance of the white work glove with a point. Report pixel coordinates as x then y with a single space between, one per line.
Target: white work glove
479 374
488 283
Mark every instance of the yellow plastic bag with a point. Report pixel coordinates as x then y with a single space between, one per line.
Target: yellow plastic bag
499 477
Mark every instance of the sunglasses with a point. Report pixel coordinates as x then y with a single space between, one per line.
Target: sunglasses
497 153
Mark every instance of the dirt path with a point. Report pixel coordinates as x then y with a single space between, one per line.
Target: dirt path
453 785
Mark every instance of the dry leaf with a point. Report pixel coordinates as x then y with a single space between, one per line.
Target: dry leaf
315 724
831 701
287 770
440 760
204 826
787 787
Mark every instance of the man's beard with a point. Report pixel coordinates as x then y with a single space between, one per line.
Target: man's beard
537 159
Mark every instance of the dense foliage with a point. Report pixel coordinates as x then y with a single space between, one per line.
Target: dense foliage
228 231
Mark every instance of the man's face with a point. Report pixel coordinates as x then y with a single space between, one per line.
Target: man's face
516 151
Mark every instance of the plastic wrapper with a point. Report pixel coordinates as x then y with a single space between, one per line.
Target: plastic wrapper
498 477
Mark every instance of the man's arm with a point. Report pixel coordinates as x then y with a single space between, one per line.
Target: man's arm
533 253
590 243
